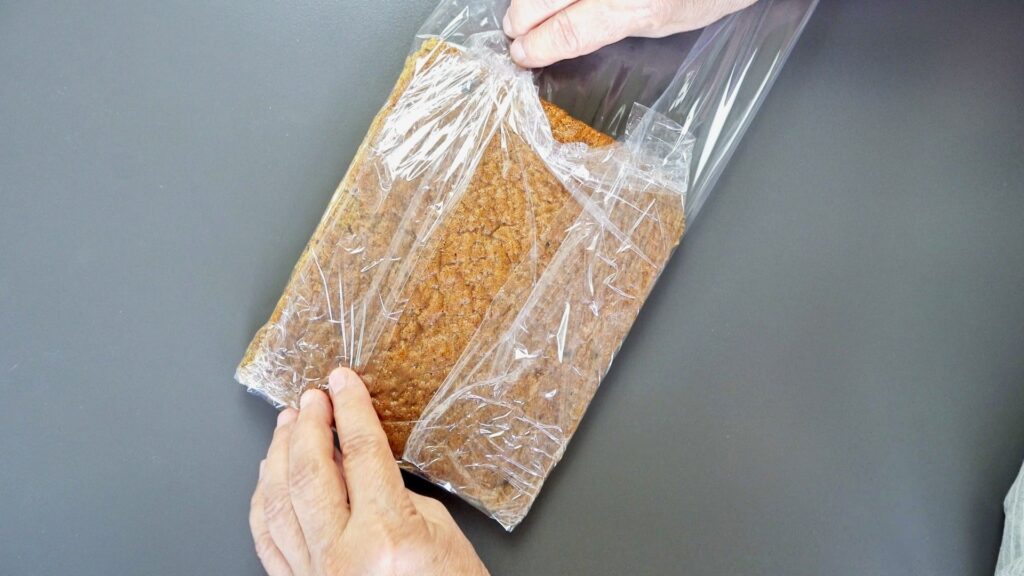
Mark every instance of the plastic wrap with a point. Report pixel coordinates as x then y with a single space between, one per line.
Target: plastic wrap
486 254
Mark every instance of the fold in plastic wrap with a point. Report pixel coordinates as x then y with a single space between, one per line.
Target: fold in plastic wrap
486 254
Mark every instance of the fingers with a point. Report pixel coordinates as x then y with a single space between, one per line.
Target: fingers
524 15
317 492
677 16
579 29
271 558
371 475
277 504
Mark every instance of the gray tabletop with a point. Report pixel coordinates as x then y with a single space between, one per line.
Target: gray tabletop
829 378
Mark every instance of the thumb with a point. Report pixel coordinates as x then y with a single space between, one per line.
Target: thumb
580 29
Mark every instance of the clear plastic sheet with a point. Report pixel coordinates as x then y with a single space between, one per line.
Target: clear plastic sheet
710 81
486 254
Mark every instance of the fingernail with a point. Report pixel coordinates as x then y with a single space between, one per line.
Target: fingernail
517 52
306 397
506 25
286 416
263 464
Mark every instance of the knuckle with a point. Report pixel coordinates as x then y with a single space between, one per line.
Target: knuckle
282 435
400 530
264 546
666 10
567 34
304 473
404 517
438 509
650 16
546 6
661 11
360 443
256 514
277 504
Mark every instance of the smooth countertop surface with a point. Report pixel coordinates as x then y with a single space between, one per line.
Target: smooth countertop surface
829 378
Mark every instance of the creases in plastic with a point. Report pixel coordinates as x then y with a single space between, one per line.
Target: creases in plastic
486 255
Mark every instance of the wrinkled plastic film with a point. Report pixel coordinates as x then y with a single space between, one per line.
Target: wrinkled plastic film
486 255
501 421
711 82
347 287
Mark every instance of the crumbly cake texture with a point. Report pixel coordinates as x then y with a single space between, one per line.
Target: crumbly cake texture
482 329
502 420
510 198
509 204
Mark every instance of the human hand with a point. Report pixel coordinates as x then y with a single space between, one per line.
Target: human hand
320 512
546 31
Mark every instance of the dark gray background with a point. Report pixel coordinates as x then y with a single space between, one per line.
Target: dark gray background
829 378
